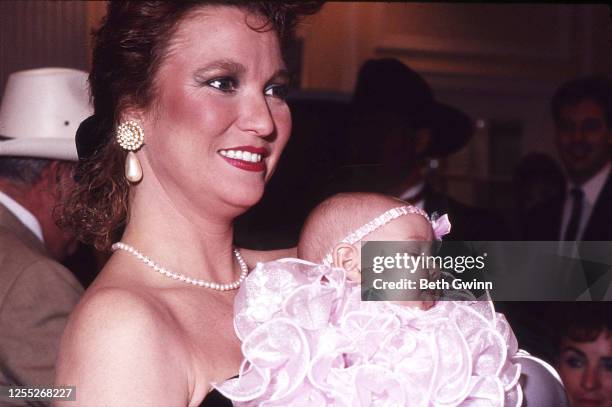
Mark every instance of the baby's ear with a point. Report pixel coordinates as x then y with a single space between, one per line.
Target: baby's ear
346 256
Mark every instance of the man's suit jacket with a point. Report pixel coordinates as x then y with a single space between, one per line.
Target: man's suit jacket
531 320
544 221
36 296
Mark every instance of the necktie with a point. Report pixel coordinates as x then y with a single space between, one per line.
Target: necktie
574 222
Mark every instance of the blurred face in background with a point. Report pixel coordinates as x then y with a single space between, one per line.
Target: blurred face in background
586 370
583 139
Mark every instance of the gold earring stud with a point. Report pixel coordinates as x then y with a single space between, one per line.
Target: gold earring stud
130 136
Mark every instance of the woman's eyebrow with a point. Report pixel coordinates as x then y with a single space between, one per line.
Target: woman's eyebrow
226 65
281 74
236 68
573 349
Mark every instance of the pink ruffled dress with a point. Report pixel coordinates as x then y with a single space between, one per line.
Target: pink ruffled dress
308 340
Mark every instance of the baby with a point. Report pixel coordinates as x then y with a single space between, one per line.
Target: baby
333 239
309 340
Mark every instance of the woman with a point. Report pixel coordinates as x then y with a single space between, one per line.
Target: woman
585 353
204 85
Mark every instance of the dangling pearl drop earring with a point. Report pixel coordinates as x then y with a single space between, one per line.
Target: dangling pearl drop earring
130 136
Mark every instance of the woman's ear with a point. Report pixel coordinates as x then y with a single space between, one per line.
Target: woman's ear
346 256
132 112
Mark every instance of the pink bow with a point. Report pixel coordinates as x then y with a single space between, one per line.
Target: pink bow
441 226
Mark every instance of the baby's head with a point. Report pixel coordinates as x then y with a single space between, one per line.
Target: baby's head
324 234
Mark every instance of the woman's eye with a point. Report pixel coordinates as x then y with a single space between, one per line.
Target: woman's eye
591 125
277 91
574 362
223 84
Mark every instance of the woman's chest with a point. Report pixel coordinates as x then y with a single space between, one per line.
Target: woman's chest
205 327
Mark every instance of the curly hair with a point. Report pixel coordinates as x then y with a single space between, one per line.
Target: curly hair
584 322
580 321
128 50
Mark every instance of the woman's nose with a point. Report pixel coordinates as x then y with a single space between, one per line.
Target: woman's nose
578 135
256 116
590 378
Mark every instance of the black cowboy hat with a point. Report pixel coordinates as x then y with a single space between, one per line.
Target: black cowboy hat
390 87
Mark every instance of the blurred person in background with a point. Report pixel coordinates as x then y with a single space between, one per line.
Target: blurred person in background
585 353
396 128
582 114
582 111
40 112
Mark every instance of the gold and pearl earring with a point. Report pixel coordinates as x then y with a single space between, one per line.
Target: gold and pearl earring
130 136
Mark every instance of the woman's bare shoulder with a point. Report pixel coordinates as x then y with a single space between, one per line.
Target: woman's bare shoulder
113 310
101 302
119 349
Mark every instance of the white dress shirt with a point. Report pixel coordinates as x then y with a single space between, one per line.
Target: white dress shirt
22 214
592 188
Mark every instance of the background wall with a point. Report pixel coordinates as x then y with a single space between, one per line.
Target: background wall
545 41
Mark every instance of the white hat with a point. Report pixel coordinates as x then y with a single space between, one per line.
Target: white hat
41 111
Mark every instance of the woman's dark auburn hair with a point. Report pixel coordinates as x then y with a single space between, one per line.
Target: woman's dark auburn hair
128 50
580 321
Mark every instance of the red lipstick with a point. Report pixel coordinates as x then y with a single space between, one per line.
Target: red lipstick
251 149
234 156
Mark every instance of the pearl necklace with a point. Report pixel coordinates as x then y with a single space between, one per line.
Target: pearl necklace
181 277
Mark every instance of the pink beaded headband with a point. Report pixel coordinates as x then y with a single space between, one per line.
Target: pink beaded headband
441 226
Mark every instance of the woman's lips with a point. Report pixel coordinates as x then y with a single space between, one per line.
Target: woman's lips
248 158
589 402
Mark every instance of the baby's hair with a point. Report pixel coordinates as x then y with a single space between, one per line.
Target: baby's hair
336 217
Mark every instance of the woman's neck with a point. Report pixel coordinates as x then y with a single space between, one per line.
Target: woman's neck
179 237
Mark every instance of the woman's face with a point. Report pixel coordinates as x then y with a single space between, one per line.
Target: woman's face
586 371
219 122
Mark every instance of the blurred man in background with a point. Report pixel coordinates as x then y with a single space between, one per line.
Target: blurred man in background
397 127
582 114
582 111
40 112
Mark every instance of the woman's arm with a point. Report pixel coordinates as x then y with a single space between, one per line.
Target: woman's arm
117 351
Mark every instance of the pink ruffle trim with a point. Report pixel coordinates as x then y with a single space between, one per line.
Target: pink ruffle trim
308 340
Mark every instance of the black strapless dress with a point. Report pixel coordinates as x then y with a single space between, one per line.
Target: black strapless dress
215 399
